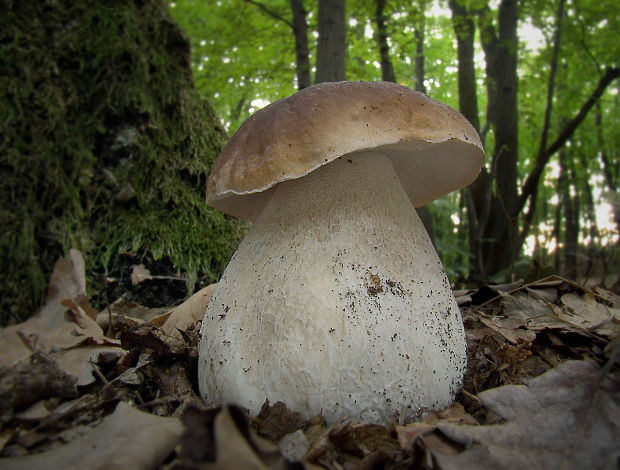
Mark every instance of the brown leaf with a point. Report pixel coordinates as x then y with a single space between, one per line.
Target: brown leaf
142 337
274 421
61 324
585 312
127 438
31 380
68 281
225 436
407 435
80 362
188 313
455 413
565 418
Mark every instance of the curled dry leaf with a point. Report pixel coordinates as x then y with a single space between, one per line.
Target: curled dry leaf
275 421
188 313
527 313
586 313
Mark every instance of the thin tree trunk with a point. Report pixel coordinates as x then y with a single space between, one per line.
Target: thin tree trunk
423 212
501 242
570 208
300 30
387 70
387 73
299 26
542 145
331 47
610 169
590 216
418 33
464 29
531 182
557 225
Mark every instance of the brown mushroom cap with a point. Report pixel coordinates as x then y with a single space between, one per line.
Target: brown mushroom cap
433 148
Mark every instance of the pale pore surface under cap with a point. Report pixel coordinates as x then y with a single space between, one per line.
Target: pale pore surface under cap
335 302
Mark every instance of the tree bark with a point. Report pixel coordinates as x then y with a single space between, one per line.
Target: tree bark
464 28
610 169
569 206
500 235
418 33
387 70
300 30
331 47
590 212
387 73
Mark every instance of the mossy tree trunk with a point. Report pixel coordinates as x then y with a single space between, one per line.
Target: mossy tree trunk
105 147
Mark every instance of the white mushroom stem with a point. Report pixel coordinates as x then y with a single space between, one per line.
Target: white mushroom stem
335 302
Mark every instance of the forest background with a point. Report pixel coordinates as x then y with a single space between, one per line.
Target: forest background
537 79
109 131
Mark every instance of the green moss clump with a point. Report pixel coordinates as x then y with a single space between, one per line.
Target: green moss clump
105 145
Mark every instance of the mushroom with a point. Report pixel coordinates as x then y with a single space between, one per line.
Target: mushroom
336 301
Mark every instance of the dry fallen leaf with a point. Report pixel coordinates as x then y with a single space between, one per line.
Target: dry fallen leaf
566 418
126 439
31 380
223 439
585 312
80 362
61 324
188 313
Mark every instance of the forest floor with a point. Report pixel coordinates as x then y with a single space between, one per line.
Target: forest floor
118 389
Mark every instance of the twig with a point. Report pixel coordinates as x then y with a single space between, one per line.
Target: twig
160 401
540 281
98 373
471 396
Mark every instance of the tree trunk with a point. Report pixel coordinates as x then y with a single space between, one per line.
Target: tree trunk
610 169
569 206
387 73
387 70
300 30
497 226
464 29
557 224
590 212
506 244
419 55
331 47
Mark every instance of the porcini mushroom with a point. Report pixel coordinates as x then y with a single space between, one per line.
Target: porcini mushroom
336 301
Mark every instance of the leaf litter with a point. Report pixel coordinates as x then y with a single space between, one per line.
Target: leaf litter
117 389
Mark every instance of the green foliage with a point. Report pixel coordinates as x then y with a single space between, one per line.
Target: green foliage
244 58
105 145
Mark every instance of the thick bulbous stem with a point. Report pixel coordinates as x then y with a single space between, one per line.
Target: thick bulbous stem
335 302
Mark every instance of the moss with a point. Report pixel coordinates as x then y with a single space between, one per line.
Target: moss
105 145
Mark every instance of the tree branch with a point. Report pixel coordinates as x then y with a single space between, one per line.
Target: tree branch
531 182
271 13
